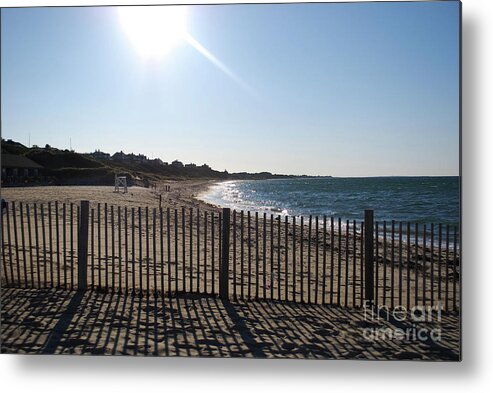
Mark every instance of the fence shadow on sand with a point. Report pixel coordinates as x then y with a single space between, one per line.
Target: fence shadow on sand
50 321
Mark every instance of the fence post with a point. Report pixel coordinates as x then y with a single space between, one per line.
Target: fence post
368 236
82 236
224 268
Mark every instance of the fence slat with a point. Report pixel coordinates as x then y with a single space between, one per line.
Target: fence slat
16 245
339 260
133 251
99 248
369 224
168 247
154 252
82 241
384 292
119 216
302 260
161 240
5 229
106 275
279 278
242 254
324 259
424 266
29 233
286 257
147 257
57 232
43 239
127 283
454 272
354 264
362 267
346 273
23 241
408 266
392 266
272 256
72 251
183 251
400 263
176 250
377 261
432 271
191 247
141 278
36 235
316 260
439 262
256 256
198 250
264 252
111 239
331 260
294 259
92 248
447 242
249 255
50 236
416 270
224 261
234 256
309 258
206 215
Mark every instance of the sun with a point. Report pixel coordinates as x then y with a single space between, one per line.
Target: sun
154 30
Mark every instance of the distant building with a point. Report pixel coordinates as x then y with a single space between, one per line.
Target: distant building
119 156
158 161
98 154
190 166
177 164
19 169
139 158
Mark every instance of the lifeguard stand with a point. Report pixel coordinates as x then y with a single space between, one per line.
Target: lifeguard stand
120 182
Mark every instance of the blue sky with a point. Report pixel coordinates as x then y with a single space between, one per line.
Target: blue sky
363 89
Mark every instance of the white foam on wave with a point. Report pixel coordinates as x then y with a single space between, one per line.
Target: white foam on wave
228 194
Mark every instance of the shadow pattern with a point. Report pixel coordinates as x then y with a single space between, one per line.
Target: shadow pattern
53 321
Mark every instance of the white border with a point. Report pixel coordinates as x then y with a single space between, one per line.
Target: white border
88 374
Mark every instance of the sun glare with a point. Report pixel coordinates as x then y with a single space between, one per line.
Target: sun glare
154 30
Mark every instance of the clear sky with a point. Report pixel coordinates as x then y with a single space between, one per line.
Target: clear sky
362 89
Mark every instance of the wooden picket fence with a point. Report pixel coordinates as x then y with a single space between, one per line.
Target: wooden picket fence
232 254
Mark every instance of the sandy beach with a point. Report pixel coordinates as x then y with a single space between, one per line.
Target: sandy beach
181 194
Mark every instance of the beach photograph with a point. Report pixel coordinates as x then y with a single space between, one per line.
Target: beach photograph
262 181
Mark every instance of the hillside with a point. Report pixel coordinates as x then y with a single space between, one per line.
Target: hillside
69 167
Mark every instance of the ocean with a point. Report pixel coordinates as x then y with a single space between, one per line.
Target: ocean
414 199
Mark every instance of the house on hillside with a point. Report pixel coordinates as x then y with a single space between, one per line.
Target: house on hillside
100 155
177 164
19 170
119 156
